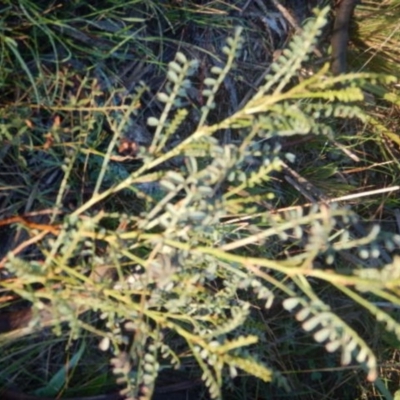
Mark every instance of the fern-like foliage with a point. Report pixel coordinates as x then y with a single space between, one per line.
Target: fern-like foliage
189 258
329 329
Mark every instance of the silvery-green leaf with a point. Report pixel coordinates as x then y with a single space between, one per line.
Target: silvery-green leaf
226 50
162 97
172 76
303 314
167 185
210 81
332 346
362 355
180 57
175 177
216 70
174 66
289 304
230 41
313 322
322 335
207 92
152 121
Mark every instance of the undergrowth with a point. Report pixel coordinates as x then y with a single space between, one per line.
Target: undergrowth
155 224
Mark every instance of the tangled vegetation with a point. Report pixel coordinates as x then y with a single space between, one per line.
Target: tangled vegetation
161 213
